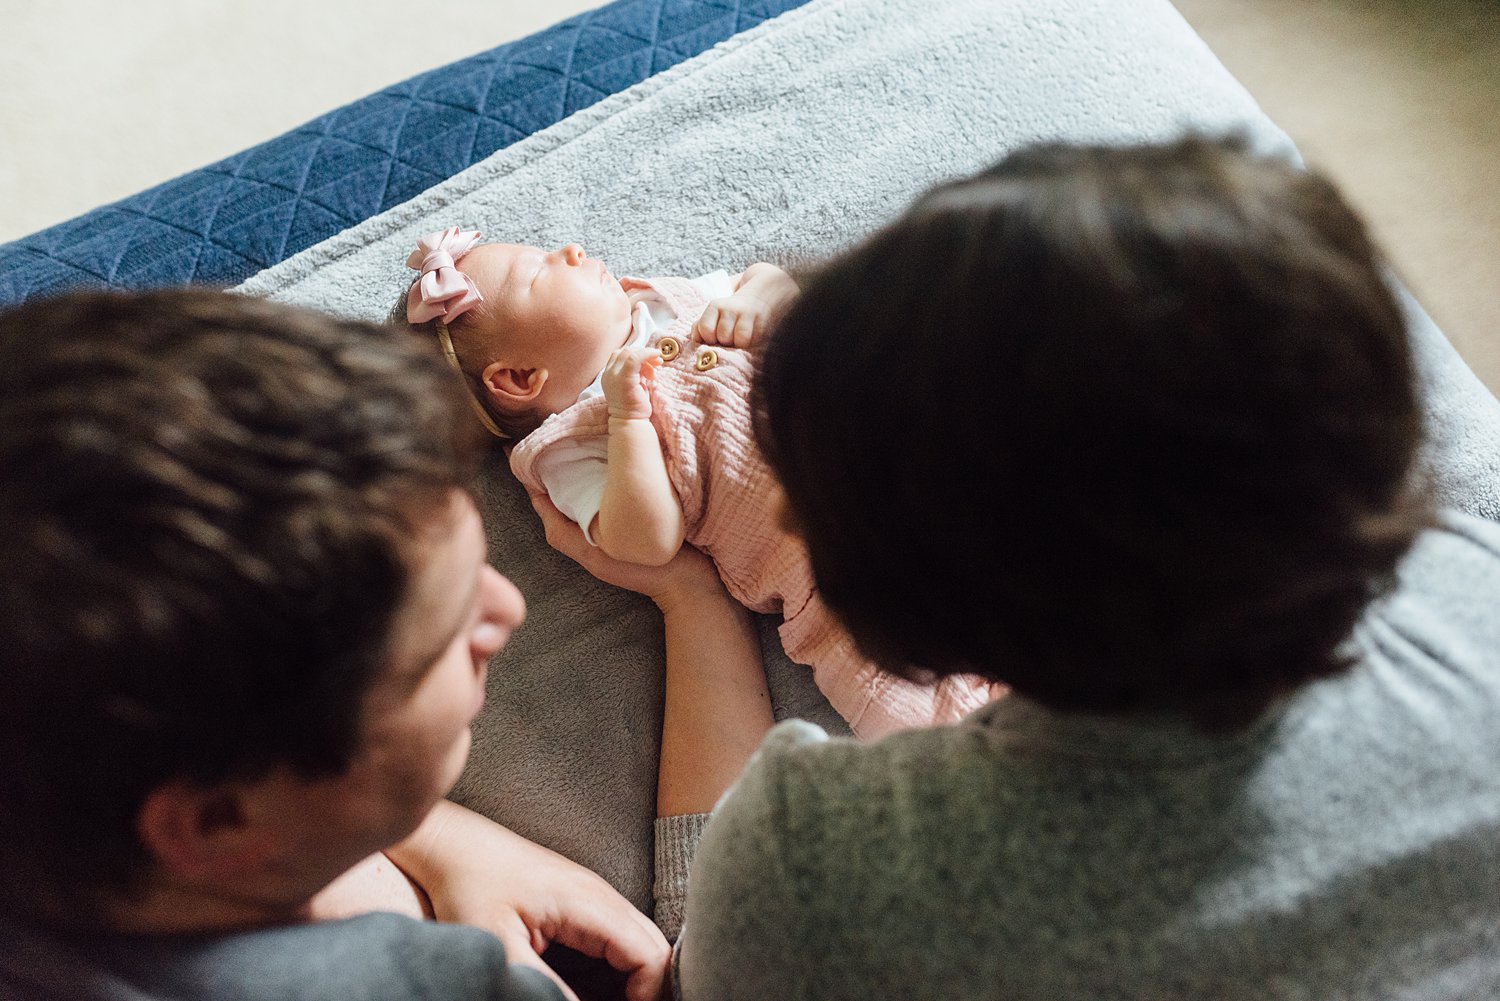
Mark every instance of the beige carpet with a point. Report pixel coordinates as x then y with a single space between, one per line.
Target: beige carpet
1394 98
101 98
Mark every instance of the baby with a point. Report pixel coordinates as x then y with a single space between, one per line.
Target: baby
628 402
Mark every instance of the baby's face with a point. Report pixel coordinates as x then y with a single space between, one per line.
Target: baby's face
556 310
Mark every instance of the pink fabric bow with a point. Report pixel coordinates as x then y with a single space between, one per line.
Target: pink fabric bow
443 290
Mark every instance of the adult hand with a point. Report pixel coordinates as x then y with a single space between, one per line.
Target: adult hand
686 574
478 873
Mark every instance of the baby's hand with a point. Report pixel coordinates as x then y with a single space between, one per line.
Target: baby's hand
734 321
737 320
627 382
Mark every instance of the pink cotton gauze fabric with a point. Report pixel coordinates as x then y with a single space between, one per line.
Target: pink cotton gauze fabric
702 415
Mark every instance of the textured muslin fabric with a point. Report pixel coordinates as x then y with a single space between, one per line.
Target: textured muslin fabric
576 472
1346 847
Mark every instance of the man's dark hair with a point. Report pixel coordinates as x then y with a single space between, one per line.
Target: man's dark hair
208 505
1129 429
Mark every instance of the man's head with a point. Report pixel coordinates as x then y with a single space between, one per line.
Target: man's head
247 607
1142 429
546 324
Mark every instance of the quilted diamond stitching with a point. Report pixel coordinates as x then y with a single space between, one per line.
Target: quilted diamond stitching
220 224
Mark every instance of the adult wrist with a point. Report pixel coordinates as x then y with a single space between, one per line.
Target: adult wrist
691 592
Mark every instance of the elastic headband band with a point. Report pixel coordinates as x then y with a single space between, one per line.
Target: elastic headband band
444 293
484 415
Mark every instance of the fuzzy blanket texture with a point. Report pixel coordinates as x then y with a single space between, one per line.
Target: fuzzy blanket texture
785 143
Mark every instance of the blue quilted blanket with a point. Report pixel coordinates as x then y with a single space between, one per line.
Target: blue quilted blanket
224 222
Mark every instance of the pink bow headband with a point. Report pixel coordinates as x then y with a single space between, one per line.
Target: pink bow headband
444 293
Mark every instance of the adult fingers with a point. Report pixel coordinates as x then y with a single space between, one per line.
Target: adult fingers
610 928
520 951
562 533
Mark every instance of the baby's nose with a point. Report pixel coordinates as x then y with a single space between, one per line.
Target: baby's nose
573 254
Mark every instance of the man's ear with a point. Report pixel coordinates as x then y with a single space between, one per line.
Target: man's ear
512 386
200 834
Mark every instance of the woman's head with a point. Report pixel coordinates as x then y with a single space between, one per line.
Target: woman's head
1128 429
528 329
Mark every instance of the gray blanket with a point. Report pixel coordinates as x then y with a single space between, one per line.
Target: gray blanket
784 143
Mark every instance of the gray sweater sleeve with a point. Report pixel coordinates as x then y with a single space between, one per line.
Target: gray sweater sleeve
676 841
677 837
375 957
739 908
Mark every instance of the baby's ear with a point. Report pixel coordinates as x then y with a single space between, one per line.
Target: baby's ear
510 387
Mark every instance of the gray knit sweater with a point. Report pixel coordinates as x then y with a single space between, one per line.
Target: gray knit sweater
1346 847
373 957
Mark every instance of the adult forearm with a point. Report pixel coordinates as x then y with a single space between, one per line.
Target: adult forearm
427 853
718 706
375 884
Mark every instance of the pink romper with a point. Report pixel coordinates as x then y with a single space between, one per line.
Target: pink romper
701 412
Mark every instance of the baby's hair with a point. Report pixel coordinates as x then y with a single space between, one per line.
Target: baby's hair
1147 425
509 426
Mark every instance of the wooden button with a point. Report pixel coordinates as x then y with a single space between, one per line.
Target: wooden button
670 347
707 359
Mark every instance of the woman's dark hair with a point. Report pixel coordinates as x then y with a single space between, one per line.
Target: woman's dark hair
1128 429
209 505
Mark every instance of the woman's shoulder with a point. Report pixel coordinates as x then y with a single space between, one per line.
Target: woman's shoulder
810 810
803 751
802 781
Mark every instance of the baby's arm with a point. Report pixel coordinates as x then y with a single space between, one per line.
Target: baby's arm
761 293
640 519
